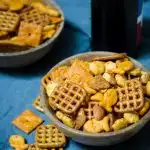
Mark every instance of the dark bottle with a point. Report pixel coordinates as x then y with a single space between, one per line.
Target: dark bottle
116 25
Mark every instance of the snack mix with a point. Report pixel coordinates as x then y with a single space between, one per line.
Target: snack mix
101 94
25 24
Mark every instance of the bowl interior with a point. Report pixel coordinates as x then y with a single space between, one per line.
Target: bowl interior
51 115
54 5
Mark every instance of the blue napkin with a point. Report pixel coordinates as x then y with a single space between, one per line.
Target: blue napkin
19 87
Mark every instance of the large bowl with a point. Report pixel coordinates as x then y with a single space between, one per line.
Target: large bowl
100 139
24 58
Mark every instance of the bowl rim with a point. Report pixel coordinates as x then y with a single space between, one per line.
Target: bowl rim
75 132
32 50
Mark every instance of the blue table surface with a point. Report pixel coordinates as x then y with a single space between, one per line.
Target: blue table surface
19 87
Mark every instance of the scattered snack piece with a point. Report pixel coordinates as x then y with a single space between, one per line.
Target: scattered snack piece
119 124
121 80
27 121
145 108
144 77
80 119
65 119
131 118
97 67
97 97
135 72
110 99
148 88
68 97
131 97
32 32
15 140
110 78
37 105
48 136
98 83
8 21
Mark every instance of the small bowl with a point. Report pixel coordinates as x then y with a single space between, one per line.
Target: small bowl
99 139
24 58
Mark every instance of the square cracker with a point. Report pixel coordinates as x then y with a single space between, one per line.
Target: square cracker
27 121
32 32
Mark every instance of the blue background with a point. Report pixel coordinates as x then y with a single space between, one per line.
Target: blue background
19 87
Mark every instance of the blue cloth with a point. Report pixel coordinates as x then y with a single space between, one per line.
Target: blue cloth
19 87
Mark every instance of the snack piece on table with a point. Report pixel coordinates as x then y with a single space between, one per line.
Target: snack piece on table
8 21
98 82
97 67
48 136
145 108
109 58
32 32
65 119
17 141
89 109
131 97
95 126
27 121
131 117
110 99
80 119
36 104
67 97
35 17
119 124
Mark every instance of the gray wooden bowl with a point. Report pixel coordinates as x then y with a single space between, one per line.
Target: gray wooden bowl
100 139
24 58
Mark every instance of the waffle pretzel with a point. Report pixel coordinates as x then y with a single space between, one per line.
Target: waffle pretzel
48 136
89 109
8 21
131 97
34 16
68 97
